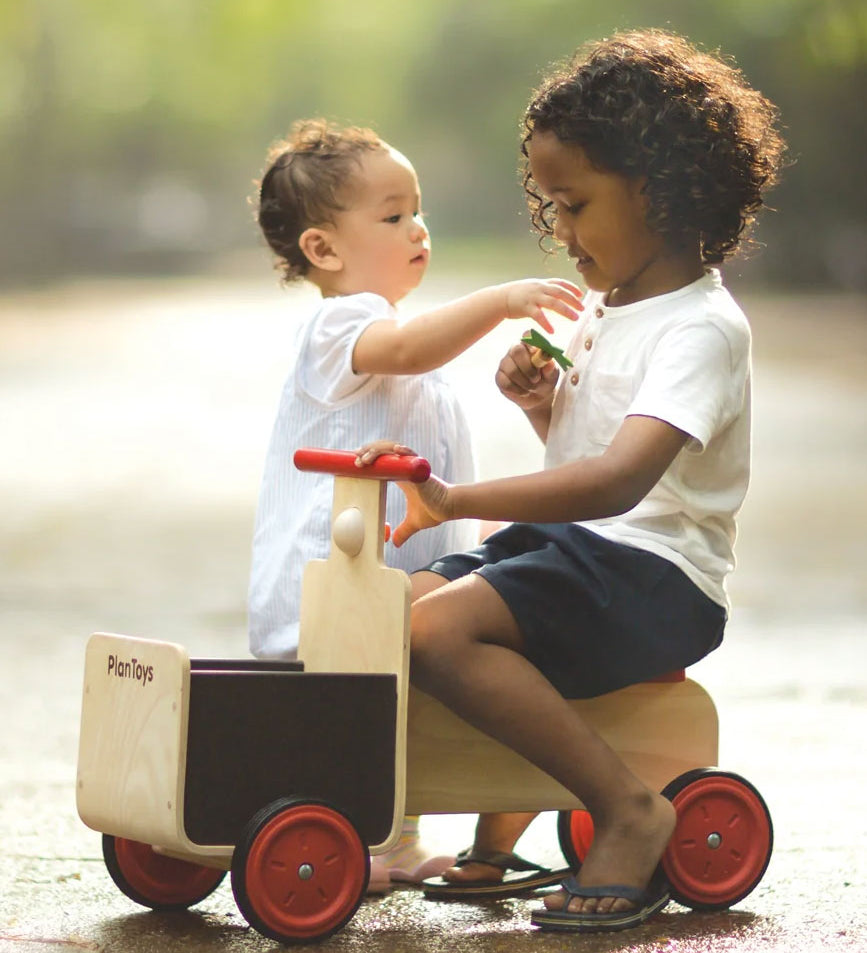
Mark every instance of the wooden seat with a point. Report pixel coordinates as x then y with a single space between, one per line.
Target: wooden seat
660 729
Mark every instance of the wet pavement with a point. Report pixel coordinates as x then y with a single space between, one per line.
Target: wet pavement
133 431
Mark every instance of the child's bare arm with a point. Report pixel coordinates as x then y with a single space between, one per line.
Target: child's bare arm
435 337
590 488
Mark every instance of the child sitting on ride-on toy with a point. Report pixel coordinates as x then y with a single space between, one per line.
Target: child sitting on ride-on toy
646 159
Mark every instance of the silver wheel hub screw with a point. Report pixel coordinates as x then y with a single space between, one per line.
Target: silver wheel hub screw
305 871
714 841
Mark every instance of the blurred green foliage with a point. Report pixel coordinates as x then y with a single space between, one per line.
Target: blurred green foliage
133 132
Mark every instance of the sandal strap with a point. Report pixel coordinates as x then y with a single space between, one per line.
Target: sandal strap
620 891
495 858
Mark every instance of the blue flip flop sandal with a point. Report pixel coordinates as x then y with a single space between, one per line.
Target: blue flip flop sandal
519 876
647 902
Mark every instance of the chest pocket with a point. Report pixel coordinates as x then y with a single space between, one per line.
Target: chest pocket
610 397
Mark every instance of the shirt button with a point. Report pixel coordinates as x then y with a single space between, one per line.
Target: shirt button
599 312
588 344
573 379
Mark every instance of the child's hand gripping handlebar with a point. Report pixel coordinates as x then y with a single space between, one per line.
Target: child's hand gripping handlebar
389 466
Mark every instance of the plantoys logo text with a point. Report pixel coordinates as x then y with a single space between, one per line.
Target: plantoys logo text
132 669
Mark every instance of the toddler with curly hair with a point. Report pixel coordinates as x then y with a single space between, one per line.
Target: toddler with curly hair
647 160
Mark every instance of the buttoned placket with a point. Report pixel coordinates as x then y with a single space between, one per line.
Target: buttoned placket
582 360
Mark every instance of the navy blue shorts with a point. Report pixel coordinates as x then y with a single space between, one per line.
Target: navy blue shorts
596 615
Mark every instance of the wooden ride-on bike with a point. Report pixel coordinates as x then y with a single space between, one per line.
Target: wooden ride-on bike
290 774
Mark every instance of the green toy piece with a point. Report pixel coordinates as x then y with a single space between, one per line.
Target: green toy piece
535 339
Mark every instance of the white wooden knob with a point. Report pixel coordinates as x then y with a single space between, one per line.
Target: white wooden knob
347 530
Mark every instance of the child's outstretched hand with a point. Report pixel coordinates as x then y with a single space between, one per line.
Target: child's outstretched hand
525 384
427 504
531 297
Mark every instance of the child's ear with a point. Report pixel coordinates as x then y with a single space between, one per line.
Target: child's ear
318 248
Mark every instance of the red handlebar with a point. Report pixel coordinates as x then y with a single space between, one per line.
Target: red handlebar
390 466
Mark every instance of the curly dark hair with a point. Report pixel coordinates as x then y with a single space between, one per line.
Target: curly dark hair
304 185
649 103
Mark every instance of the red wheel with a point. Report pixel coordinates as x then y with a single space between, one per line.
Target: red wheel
300 871
723 840
154 880
575 833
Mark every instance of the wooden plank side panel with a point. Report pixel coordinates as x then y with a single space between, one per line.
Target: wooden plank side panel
132 746
660 730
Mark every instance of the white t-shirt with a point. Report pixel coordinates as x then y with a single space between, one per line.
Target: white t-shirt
325 404
682 357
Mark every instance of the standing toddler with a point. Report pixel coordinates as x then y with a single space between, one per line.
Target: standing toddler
341 209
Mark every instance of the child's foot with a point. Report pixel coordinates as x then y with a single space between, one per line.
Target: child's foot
410 863
380 878
473 871
496 834
626 851
502 874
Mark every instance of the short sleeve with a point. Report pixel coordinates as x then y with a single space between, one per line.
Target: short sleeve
325 359
696 379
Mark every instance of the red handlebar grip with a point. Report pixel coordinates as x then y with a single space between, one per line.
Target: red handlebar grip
390 466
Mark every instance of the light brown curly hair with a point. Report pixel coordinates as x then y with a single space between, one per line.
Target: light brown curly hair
304 185
649 103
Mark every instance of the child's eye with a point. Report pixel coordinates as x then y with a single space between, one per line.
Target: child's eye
574 209
393 219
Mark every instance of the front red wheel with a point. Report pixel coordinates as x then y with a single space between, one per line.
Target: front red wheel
154 880
300 871
723 840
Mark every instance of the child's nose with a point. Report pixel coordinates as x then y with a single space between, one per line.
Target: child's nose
561 233
419 229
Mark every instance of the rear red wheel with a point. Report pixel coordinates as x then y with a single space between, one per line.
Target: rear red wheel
723 840
154 880
300 871
575 833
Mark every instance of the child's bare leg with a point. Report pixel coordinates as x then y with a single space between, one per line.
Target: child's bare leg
497 832
467 652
